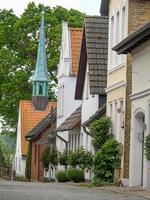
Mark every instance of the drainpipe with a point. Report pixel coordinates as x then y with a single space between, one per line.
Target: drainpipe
86 131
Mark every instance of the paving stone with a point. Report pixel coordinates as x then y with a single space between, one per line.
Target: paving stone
54 191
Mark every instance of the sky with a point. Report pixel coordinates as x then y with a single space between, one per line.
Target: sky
90 7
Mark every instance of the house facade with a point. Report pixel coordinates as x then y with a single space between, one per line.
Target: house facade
124 18
67 76
39 139
28 118
138 44
91 81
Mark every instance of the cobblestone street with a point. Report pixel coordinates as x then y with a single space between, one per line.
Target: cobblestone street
54 191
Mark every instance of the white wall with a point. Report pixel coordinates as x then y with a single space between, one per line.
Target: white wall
19 162
141 69
140 104
89 107
68 103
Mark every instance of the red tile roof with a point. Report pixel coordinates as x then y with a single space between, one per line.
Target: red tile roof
76 38
29 118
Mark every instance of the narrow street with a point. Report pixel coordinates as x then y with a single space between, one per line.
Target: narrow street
54 191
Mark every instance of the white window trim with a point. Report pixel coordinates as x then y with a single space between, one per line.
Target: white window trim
115 60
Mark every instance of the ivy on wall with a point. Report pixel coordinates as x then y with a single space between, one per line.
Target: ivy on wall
28 162
147 147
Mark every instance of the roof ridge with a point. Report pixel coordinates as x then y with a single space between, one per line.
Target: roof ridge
95 16
77 29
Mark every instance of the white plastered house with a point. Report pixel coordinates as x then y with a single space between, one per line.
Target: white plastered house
138 45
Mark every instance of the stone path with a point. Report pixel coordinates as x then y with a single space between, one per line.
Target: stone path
54 191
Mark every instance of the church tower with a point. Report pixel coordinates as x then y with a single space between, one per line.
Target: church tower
40 78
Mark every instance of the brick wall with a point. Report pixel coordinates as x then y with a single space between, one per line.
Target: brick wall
139 14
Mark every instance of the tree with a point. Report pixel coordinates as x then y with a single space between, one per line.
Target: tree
18 52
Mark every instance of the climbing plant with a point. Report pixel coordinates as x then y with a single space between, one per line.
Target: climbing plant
81 158
100 130
147 147
63 158
106 160
49 156
28 162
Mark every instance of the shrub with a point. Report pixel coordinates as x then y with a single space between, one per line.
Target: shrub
49 155
62 176
100 130
20 178
106 160
73 158
28 162
63 159
75 175
81 158
147 147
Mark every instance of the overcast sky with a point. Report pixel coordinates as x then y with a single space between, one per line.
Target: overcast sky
90 7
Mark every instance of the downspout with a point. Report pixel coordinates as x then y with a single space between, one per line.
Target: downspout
86 131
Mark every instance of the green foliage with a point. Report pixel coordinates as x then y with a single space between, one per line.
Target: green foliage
18 52
62 176
106 160
147 147
63 159
49 155
75 175
20 178
6 150
73 158
81 158
2 159
28 162
100 130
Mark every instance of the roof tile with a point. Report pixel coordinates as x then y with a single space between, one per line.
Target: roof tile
76 37
29 118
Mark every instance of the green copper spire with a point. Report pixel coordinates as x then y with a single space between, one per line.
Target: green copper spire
40 78
41 72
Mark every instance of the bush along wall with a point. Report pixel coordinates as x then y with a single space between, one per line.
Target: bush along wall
147 147
106 161
100 130
80 158
49 156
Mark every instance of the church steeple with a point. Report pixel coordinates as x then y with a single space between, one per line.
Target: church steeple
40 78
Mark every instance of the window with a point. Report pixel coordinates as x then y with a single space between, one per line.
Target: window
116 34
78 140
115 121
40 88
123 24
112 41
117 27
110 109
117 39
61 100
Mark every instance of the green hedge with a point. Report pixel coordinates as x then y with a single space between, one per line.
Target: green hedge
62 176
75 175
